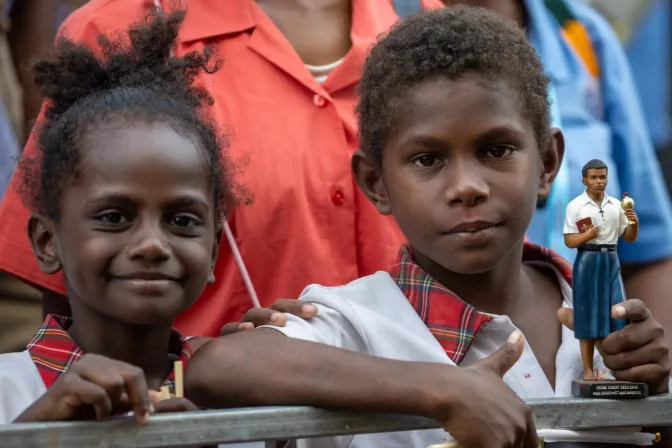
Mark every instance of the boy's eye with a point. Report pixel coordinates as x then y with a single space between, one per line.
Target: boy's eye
497 152
112 218
425 161
185 221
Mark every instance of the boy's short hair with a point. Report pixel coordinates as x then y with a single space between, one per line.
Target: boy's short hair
450 42
595 164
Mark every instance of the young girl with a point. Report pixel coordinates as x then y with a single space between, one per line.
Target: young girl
456 145
127 196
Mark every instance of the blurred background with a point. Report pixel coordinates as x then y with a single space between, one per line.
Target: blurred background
643 27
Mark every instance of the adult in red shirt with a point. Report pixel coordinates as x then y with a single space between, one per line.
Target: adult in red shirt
286 94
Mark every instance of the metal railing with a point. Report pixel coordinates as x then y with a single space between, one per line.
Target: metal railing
283 423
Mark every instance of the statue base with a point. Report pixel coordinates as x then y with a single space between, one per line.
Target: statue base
609 389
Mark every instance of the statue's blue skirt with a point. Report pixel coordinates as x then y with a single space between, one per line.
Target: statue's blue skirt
596 287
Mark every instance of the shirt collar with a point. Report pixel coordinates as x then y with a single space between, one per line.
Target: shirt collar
53 351
453 322
588 200
544 33
208 18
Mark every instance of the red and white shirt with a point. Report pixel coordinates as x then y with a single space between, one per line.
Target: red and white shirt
25 376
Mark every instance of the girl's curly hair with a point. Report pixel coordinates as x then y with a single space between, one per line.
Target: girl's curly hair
137 78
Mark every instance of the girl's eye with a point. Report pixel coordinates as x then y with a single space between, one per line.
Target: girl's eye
425 161
112 218
184 221
498 152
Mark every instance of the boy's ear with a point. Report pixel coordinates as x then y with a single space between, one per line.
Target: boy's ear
551 162
43 240
370 181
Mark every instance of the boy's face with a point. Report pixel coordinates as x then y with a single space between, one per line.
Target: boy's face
136 238
596 181
461 172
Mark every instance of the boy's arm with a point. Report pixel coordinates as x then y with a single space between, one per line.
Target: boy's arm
573 238
628 232
264 368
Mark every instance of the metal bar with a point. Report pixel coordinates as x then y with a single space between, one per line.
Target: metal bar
281 423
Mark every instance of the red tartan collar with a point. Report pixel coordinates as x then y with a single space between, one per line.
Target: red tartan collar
453 322
53 350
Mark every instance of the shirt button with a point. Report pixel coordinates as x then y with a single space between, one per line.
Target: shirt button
319 101
338 197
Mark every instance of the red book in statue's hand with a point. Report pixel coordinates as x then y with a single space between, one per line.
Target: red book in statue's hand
584 224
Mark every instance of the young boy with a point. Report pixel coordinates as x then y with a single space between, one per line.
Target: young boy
456 145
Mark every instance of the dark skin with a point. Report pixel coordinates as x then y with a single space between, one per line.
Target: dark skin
434 178
645 280
475 161
482 412
519 299
136 241
460 154
318 30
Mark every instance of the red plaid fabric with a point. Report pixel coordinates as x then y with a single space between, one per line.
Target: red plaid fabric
453 322
53 350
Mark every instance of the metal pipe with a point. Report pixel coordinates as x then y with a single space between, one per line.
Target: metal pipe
283 423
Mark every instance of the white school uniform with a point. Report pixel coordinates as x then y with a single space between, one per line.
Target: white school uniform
20 385
371 315
608 216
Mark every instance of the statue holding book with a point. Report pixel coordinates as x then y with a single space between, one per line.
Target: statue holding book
594 222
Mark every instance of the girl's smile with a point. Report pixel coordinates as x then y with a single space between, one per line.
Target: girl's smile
140 216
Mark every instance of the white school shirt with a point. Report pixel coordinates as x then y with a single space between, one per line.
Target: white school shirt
612 222
372 316
20 385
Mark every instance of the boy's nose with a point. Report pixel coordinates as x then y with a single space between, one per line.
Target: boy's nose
467 186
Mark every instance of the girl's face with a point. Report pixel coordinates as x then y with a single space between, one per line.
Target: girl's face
137 236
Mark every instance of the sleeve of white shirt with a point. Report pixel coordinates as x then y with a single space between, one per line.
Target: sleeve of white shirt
623 222
570 220
335 324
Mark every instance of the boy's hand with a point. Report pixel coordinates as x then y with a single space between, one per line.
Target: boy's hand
592 232
632 216
637 352
95 387
275 315
486 412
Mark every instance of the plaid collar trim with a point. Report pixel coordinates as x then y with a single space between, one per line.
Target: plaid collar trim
53 350
453 322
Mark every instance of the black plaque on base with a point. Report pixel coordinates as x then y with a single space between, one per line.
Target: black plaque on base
609 389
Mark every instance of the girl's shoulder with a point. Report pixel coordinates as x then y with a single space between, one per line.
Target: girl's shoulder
20 385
